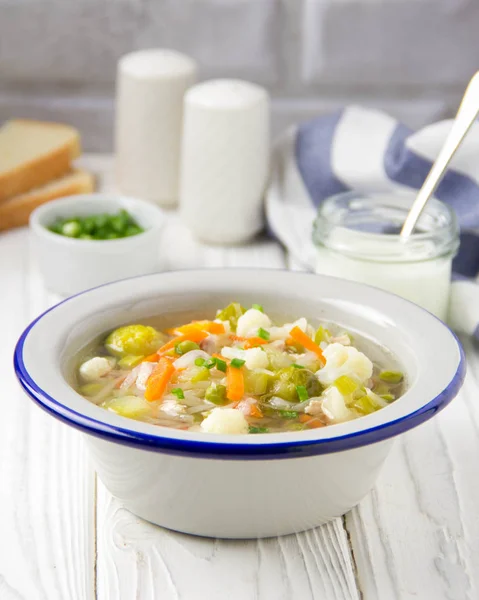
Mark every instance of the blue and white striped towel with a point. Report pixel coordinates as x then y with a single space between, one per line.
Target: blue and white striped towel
363 150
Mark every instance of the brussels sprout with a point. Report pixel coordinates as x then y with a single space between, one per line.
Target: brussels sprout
133 340
231 313
256 382
278 360
130 361
216 393
285 382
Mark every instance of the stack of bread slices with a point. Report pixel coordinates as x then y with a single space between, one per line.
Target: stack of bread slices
36 166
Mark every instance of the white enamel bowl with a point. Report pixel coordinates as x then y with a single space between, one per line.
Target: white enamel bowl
71 265
251 485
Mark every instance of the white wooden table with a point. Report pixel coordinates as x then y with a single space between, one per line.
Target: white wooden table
63 537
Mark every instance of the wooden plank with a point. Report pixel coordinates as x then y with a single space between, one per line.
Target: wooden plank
139 560
47 485
417 534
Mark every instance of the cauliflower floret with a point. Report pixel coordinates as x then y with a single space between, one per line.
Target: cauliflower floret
344 360
282 333
225 420
95 368
255 357
334 407
251 321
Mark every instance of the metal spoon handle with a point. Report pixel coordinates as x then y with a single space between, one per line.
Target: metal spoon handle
466 115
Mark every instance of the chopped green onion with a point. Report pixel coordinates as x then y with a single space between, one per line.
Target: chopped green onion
387 397
97 227
71 229
178 392
296 366
391 376
210 363
346 385
237 363
258 307
288 414
263 334
258 429
302 392
220 365
199 362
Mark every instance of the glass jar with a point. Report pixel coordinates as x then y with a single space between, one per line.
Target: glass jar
357 237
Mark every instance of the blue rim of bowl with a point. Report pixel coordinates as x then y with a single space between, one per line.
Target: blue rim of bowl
232 451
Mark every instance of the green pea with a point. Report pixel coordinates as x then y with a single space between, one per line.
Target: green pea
186 346
216 393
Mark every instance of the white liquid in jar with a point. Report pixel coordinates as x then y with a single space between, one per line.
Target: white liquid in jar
417 277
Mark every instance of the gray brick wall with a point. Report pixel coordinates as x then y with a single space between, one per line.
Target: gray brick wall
409 57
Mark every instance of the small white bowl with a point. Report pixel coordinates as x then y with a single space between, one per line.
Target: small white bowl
71 265
240 486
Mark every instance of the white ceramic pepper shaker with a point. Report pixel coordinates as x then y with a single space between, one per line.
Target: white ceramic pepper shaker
225 160
149 113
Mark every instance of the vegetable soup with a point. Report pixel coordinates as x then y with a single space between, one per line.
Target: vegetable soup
239 373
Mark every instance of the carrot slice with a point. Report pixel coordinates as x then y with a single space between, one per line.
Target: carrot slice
151 358
194 336
209 326
299 336
254 342
255 411
311 422
251 342
234 383
158 380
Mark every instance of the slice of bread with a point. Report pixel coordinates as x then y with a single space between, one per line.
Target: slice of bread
33 153
16 211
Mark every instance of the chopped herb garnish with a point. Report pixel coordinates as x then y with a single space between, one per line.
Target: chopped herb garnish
302 392
263 334
296 366
237 363
200 362
220 365
258 307
210 363
288 414
178 392
258 429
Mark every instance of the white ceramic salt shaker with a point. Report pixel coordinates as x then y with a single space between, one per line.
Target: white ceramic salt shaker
225 160
149 113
